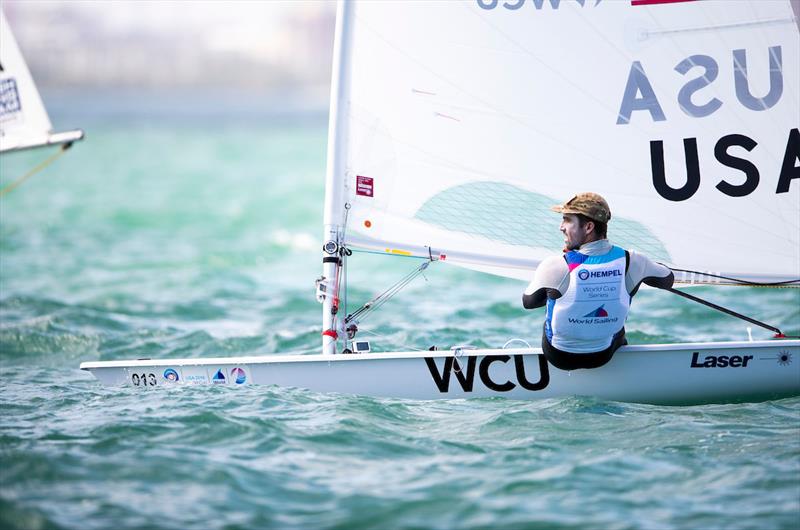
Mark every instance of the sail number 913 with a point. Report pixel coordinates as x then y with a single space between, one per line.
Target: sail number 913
144 379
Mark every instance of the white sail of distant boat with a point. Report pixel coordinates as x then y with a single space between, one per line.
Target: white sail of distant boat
455 125
24 122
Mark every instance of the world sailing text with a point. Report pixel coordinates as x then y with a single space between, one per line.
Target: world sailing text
596 320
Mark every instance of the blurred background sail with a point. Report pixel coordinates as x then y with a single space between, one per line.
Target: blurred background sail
24 122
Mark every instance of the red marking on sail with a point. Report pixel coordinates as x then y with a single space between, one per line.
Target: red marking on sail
446 116
653 2
364 186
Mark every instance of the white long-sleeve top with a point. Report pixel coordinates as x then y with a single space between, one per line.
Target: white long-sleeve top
551 279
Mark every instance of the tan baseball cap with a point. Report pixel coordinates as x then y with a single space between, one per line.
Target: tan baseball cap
589 204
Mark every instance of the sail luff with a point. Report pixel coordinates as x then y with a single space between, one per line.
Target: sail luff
333 215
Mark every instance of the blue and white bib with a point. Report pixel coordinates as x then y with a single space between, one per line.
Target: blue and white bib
595 306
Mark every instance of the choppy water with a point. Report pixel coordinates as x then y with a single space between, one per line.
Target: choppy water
197 234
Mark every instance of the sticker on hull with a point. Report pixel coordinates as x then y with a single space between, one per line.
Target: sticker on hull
238 375
218 377
194 375
465 375
719 361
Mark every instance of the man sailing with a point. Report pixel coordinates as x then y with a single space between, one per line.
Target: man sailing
588 290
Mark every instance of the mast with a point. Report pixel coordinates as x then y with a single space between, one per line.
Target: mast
335 174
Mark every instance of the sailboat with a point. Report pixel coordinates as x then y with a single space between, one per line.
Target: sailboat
455 125
24 123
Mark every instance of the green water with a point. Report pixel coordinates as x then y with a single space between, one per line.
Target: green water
196 233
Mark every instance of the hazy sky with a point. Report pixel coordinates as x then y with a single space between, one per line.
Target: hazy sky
247 17
161 42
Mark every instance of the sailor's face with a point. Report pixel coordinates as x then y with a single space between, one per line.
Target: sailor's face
574 234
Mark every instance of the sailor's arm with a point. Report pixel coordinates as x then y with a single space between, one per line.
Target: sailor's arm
550 281
644 270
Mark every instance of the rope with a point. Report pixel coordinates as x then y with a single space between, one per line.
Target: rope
344 252
379 335
740 281
384 297
9 188
778 332
512 341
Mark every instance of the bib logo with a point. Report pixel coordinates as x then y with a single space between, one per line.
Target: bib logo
466 376
583 274
599 312
596 316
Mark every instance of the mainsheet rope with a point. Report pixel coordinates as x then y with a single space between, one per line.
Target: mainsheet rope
739 281
52 158
778 333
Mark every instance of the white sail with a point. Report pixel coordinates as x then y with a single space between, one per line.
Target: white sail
467 120
24 122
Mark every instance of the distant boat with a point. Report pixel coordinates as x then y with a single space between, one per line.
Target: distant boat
455 126
24 123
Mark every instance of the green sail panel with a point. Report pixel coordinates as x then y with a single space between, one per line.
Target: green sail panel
508 214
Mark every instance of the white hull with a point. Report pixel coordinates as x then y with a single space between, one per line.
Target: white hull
689 373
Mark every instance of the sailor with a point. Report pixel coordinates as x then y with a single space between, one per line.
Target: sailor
588 290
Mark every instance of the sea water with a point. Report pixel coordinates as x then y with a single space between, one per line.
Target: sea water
193 230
